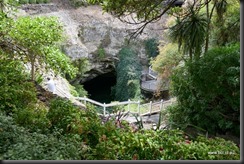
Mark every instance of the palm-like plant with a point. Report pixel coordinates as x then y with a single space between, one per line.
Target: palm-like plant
190 32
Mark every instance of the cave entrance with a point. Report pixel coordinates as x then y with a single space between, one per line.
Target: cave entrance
99 88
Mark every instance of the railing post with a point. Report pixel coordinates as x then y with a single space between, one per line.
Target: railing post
129 105
161 105
138 107
104 109
150 107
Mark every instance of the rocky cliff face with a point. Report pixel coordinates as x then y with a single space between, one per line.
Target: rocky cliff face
91 33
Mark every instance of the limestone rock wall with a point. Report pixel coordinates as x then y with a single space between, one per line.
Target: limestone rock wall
89 30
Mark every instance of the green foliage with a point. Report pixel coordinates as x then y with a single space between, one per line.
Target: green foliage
81 92
82 66
46 1
59 62
151 46
164 145
101 53
95 138
64 115
226 19
208 91
92 128
42 31
189 32
37 39
144 10
166 61
39 78
32 1
39 1
5 23
23 1
78 90
78 3
15 91
73 91
33 117
128 75
7 6
16 143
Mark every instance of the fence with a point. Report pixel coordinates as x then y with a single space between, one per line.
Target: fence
132 106
152 73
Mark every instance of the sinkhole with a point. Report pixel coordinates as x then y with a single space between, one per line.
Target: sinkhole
99 88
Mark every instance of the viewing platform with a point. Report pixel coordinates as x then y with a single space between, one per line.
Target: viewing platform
150 84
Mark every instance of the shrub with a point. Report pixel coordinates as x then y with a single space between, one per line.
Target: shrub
101 53
82 65
39 1
151 47
23 1
208 91
128 76
8 132
32 1
64 115
33 118
70 119
109 142
16 92
164 145
16 143
93 129
46 1
80 90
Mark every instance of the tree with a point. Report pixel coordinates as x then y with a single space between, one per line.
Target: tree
128 75
208 91
16 92
189 32
37 41
226 23
151 47
166 61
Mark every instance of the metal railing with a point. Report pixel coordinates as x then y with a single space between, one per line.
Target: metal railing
141 109
152 73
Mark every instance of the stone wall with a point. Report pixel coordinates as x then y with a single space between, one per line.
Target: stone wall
89 30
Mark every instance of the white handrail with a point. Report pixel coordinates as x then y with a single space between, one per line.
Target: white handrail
90 100
152 73
127 103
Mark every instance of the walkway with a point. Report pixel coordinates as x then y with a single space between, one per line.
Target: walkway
150 85
149 81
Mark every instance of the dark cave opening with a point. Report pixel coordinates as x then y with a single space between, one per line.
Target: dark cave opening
99 88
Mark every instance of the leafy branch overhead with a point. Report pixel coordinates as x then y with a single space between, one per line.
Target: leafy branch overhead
139 13
38 41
